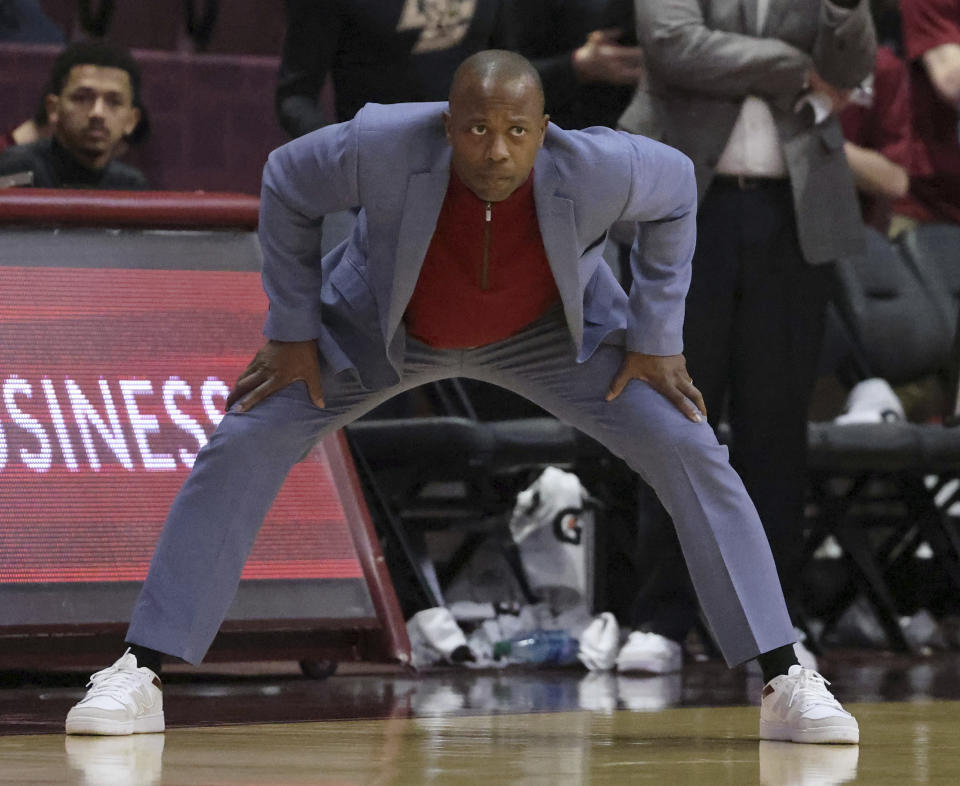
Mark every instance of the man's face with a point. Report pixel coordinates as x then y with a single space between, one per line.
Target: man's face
93 113
495 129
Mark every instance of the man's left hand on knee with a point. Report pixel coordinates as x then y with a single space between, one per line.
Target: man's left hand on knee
667 374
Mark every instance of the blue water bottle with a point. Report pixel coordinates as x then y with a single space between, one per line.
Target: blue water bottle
539 648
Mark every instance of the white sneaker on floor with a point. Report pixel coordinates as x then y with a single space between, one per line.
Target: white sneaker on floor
649 653
797 707
122 699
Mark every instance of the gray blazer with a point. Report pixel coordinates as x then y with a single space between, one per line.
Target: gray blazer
704 58
393 163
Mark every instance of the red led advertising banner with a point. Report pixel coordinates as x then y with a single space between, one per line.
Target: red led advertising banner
111 380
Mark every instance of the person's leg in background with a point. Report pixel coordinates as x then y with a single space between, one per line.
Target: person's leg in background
779 334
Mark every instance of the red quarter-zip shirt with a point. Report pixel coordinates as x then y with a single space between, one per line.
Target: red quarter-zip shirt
485 275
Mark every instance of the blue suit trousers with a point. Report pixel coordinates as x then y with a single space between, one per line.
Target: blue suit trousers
215 518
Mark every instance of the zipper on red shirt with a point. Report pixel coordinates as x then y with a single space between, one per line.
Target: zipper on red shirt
485 266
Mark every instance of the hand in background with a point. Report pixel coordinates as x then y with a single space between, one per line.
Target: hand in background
602 59
839 97
943 67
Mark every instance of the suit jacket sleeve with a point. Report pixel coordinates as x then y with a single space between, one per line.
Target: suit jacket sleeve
303 181
663 200
688 54
846 47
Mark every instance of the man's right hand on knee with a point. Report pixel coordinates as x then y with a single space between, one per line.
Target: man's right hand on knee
276 365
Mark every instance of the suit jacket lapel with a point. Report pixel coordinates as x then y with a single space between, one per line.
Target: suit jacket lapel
421 209
558 231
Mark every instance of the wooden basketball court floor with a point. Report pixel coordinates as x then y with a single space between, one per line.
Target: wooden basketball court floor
267 725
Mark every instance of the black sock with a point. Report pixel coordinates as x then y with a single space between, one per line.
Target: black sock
777 662
145 656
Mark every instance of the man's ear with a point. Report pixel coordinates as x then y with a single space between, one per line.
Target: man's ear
134 120
543 129
53 108
446 127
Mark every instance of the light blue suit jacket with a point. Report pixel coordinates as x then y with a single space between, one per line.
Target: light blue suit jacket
393 163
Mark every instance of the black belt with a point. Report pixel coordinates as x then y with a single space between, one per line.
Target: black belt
748 183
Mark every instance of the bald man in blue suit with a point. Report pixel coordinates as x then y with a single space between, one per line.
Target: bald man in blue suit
350 330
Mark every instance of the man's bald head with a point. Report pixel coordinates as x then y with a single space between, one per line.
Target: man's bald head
494 66
495 124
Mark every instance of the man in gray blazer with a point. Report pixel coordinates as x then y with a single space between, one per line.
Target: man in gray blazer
749 90
477 253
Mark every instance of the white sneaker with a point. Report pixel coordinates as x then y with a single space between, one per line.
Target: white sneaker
122 699
650 653
797 707
599 643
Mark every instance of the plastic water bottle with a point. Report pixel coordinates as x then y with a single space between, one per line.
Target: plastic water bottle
539 648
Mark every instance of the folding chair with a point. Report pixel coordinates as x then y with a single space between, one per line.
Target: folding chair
874 486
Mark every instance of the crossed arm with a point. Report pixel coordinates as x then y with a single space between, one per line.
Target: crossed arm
687 53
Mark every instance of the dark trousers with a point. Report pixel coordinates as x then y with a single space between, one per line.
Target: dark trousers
752 337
